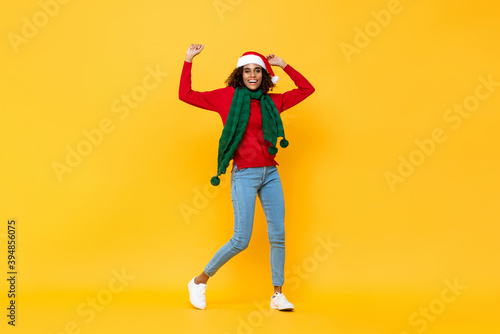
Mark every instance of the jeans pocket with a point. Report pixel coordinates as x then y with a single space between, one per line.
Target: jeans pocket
237 170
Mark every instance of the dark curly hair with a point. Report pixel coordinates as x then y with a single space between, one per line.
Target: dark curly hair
235 80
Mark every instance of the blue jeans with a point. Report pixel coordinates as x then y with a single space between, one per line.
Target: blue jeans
246 184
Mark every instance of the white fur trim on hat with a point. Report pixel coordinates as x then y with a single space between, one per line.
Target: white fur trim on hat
251 59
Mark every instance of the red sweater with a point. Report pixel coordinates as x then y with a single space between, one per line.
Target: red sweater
252 150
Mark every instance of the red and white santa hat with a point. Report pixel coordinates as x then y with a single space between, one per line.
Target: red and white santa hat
257 58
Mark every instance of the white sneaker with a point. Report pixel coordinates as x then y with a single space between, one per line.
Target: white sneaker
197 294
279 302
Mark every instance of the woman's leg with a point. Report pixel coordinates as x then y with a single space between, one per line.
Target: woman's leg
273 203
201 278
244 186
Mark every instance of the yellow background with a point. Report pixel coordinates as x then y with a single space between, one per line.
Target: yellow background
123 207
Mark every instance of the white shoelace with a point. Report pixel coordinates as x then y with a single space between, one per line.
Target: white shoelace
200 289
280 297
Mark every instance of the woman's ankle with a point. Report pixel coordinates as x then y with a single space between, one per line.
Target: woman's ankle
202 278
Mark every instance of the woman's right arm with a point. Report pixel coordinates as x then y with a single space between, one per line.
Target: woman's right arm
207 100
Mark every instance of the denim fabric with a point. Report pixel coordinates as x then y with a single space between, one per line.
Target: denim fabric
246 185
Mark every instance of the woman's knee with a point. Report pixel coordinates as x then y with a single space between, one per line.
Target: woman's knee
276 237
240 244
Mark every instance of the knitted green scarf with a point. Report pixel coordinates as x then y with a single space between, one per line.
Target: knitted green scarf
236 124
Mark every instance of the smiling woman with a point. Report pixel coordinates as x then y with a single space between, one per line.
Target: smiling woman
252 76
252 125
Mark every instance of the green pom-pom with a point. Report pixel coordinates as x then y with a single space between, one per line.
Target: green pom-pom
215 181
284 143
273 150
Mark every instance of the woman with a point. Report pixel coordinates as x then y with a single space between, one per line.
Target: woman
252 124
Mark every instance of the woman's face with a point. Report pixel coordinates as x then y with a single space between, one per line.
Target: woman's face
252 76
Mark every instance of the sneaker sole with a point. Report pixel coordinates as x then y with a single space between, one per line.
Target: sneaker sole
283 309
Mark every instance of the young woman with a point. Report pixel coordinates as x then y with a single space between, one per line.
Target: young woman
252 124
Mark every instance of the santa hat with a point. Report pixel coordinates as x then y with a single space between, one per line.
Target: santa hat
257 58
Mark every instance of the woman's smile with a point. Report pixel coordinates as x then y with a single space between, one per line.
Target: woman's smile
252 76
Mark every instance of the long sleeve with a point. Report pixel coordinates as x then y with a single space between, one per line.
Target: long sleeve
215 100
289 99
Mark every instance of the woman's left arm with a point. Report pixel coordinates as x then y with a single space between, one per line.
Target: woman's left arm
289 99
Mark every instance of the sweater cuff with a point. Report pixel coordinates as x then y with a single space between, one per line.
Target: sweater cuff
288 68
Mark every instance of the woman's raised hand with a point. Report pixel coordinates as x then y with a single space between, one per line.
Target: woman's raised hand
275 60
193 50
